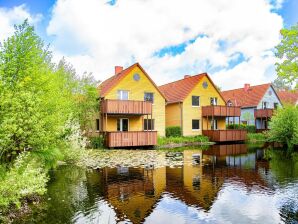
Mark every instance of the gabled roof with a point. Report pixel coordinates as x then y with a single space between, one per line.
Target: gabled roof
286 96
111 82
246 98
178 90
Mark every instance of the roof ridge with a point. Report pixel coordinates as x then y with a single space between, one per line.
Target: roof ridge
250 87
192 76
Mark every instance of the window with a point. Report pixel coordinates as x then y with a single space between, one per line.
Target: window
123 94
122 124
230 103
97 124
148 124
214 124
149 97
195 101
265 105
213 101
195 124
275 105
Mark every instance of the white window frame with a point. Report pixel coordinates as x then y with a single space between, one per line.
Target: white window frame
152 96
121 124
214 98
216 122
120 94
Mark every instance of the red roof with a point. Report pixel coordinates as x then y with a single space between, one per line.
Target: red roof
109 83
286 96
177 91
246 98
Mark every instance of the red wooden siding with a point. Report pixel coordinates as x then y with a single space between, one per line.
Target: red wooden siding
263 113
221 111
225 135
126 107
131 138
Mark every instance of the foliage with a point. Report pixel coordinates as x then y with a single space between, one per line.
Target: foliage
27 177
287 51
249 128
247 116
173 131
280 84
96 142
256 137
182 139
284 126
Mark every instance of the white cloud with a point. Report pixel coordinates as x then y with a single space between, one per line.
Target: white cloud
96 36
16 15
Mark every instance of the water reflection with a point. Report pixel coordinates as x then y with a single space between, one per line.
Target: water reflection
224 184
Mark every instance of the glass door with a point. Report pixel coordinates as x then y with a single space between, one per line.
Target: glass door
122 124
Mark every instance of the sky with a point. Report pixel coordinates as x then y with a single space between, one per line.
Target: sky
232 40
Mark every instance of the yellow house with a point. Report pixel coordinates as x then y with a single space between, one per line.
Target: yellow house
195 104
132 109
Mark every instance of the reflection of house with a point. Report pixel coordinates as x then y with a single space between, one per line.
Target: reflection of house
234 163
256 102
132 109
195 104
133 192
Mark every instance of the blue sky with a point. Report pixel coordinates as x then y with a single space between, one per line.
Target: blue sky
231 42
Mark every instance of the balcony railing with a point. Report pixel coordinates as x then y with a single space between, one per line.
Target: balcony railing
225 135
221 111
126 107
261 113
131 138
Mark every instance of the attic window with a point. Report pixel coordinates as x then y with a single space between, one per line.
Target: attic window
205 85
136 77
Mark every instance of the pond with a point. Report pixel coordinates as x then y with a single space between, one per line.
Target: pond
223 184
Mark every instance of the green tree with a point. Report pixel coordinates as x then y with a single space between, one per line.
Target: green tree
287 51
284 126
280 84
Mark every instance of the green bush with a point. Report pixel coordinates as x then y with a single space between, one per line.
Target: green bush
174 131
284 126
249 128
96 142
182 139
27 177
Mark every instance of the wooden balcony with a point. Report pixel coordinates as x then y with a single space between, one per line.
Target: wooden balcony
225 135
130 138
221 111
263 113
133 107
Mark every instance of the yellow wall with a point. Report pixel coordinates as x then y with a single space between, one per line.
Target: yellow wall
136 92
190 112
173 114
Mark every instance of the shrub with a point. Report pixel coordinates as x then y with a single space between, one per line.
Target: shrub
182 139
26 178
174 131
284 126
96 142
249 128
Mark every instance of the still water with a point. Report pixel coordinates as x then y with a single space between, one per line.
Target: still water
224 184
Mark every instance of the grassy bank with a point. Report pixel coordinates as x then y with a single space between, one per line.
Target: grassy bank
256 137
182 140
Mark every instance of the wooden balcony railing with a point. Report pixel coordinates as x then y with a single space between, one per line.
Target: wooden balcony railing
131 138
126 107
260 113
225 135
221 111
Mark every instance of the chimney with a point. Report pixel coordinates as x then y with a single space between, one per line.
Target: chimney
246 87
187 76
118 69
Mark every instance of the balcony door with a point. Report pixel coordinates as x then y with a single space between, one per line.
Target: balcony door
214 124
213 101
122 124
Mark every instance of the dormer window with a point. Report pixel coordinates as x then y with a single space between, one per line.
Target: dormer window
229 103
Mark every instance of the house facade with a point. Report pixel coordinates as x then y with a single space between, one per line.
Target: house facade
257 104
132 109
195 105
